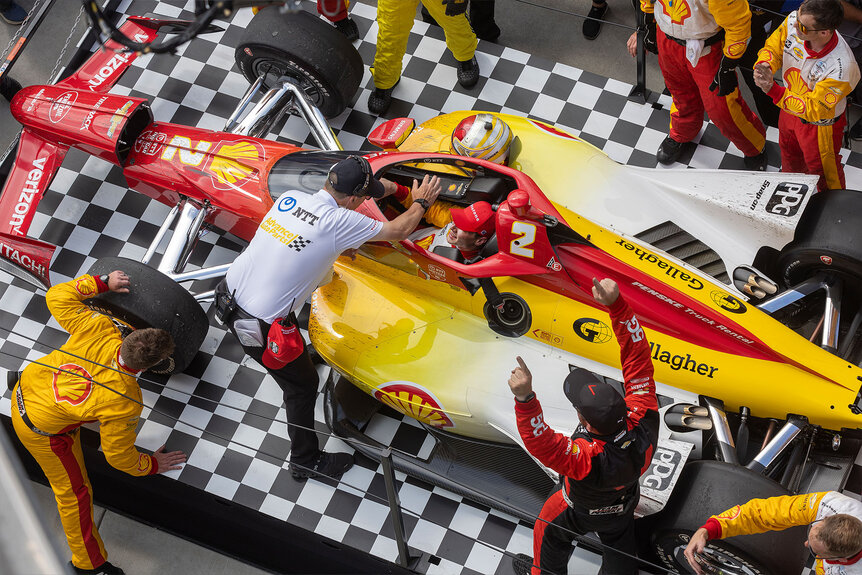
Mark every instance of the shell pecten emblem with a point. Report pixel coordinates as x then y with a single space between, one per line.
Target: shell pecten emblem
413 400
72 384
232 163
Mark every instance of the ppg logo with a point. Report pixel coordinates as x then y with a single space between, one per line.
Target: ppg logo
661 469
286 204
786 199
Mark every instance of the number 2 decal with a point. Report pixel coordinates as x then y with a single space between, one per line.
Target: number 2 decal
526 233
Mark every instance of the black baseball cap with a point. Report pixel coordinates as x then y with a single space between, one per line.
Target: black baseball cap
597 402
352 176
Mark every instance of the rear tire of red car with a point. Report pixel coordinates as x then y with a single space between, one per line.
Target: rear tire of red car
154 300
826 239
303 47
706 488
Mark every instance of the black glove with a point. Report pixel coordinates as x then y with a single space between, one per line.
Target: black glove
725 79
455 7
650 42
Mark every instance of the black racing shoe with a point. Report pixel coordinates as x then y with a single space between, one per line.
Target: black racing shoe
104 569
348 27
9 87
756 163
522 564
669 151
593 27
856 130
379 100
468 72
332 465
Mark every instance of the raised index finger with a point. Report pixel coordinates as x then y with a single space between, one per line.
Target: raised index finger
522 364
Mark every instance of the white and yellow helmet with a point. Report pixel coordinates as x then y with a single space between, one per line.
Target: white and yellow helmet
483 136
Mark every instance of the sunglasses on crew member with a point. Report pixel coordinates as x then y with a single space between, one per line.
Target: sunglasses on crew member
805 29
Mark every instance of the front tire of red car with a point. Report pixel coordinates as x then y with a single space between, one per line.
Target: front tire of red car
305 48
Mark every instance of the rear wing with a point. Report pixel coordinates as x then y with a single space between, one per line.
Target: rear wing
106 65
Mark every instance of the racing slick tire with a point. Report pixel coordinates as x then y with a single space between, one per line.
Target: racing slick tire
827 238
304 47
154 300
706 488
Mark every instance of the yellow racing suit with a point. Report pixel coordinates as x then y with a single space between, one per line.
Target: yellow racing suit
777 513
60 392
395 20
812 101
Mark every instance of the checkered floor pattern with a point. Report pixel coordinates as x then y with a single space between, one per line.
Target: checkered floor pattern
224 411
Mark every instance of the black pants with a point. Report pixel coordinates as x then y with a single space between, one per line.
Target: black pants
554 532
298 381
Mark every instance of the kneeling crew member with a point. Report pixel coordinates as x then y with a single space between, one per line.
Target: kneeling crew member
601 463
60 393
834 535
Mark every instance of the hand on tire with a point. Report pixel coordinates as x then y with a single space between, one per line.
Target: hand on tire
695 547
118 281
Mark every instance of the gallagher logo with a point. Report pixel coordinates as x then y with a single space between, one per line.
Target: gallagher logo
415 401
727 302
72 384
592 330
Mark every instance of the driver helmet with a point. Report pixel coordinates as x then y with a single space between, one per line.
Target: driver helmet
483 136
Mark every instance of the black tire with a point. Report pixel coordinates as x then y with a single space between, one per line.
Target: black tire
303 47
827 238
706 488
154 300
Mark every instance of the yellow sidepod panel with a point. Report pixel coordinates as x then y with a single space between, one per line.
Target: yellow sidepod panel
417 345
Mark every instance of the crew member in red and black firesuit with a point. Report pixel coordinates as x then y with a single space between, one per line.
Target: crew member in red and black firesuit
600 464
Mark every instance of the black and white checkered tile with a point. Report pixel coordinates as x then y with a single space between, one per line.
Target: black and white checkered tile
224 411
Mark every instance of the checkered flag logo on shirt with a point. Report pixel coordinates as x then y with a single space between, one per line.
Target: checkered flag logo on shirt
299 243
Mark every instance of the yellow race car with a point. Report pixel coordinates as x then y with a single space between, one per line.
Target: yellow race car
739 279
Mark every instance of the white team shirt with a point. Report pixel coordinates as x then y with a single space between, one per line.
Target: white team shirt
293 251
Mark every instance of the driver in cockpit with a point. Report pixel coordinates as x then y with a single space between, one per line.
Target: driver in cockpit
484 136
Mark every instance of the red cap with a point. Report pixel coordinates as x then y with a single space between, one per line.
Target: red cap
283 345
478 217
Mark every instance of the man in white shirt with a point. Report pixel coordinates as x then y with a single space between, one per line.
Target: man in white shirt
290 254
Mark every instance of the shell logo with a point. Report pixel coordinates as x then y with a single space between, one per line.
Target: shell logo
72 384
794 105
233 163
737 49
415 401
677 10
84 287
795 85
830 98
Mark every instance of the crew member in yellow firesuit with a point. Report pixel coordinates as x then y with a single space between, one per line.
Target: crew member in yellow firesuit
395 20
834 533
91 378
819 72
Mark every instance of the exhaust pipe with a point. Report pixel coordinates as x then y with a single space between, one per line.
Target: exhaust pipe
675 419
722 429
751 282
769 454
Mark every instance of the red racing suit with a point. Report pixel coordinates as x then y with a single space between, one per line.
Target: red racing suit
599 473
58 395
812 101
724 28
782 512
